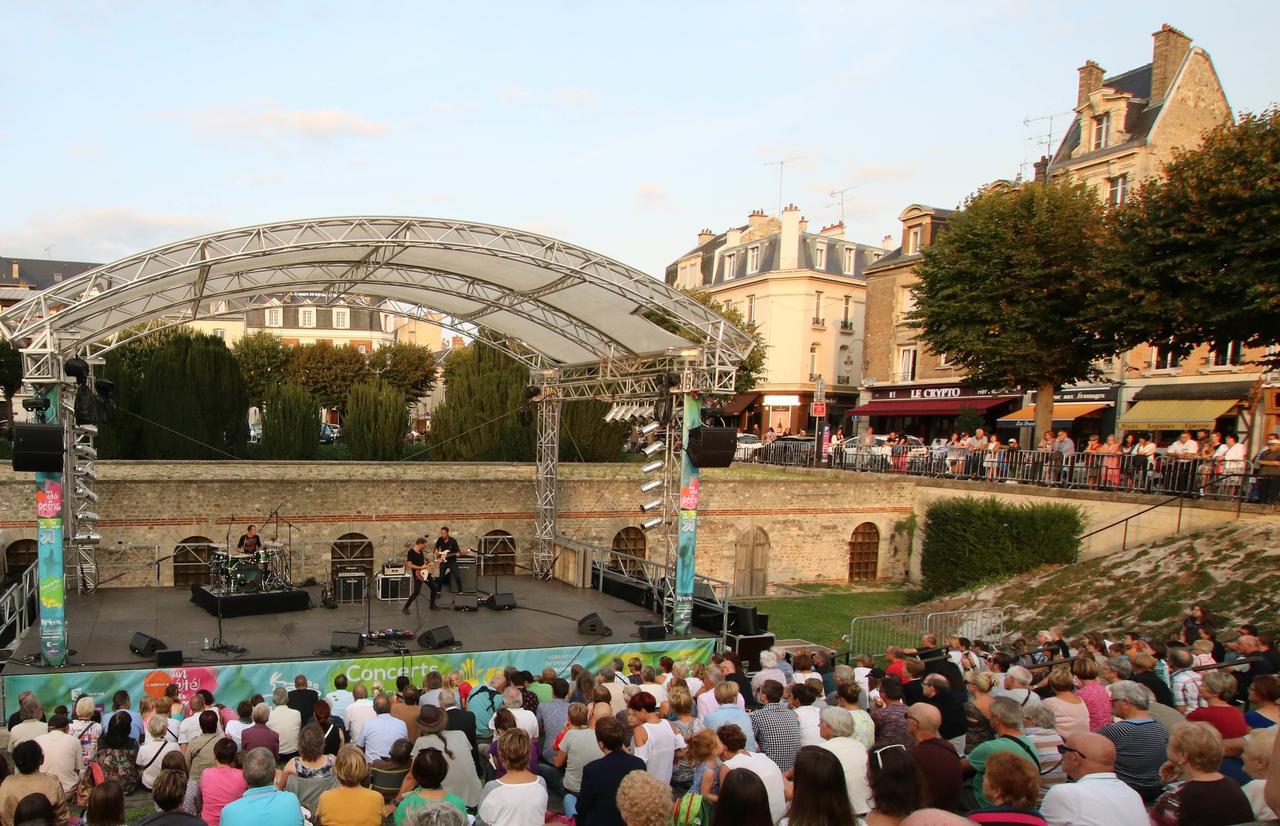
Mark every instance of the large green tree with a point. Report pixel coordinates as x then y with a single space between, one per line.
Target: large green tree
10 376
290 423
191 400
376 422
409 368
264 361
122 436
477 423
1198 249
328 372
751 370
1005 291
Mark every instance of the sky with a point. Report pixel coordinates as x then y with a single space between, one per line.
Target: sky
622 128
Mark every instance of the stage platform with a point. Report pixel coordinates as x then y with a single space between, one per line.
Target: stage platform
247 605
101 625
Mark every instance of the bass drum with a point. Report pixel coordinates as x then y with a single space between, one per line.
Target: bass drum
246 576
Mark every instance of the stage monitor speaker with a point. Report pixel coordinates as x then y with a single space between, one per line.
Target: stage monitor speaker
145 645
742 620
712 446
501 602
749 648
467 573
593 626
37 448
466 602
436 637
346 642
169 658
652 632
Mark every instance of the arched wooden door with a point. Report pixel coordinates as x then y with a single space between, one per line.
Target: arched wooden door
499 549
352 550
630 541
864 552
751 563
191 561
19 556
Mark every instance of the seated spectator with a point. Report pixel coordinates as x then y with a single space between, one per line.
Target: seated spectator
776 726
437 813
1185 686
1039 724
175 762
977 710
729 711
34 810
106 804
285 722
891 718
1011 784
733 672
244 719
1070 714
735 758
350 804
32 726
576 748
222 783
504 720
84 728
1006 718
1144 673
801 697
644 800
653 739
1096 698
942 777
63 754
1206 797
1139 740
819 794
680 703
1264 696
169 793
703 751
303 699
1218 688
388 775
116 752
768 671
1258 749
519 797
913 685
260 735
27 757
335 734
949 701
262 803
1097 797
513 700
743 800
1017 687
1116 669
311 760
199 751
895 784
153 751
836 728
461 778
849 697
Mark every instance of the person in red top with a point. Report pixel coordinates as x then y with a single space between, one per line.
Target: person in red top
1218 688
895 666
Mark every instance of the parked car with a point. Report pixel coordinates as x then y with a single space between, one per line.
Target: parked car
747 447
328 433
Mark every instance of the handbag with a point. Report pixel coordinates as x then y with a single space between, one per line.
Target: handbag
690 810
93 775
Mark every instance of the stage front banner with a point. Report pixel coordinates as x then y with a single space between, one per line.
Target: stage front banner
230 682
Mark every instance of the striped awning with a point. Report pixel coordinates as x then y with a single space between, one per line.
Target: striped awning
1062 412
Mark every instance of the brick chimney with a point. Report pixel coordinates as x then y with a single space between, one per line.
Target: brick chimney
887 242
835 230
14 271
704 236
1170 46
789 244
804 225
1090 82
756 221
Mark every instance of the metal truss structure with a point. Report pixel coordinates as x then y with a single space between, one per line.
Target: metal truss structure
587 327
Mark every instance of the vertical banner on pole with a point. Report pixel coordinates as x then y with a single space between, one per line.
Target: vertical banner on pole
49 564
689 482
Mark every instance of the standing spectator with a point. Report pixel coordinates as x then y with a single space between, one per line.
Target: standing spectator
1139 740
377 735
27 757
837 737
776 726
941 772
259 735
891 718
743 800
736 758
303 698
339 698
1006 718
221 784
643 800
85 728
286 722
151 753
350 804
1269 471
32 725
63 754
1206 797
819 795
519 797
1010 783
262 804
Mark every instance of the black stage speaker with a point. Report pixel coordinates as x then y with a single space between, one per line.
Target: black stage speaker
145 645
466 566
712 446
466 602
37 448
652 631
169 658
748 649
593 626
742 620
436 637
501 602
348 642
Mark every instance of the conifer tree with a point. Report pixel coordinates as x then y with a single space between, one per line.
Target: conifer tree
290 423
376 422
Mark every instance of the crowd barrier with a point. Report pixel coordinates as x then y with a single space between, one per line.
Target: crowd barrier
873 634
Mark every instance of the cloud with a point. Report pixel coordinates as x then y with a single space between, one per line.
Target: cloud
880 172
450 108
577 96
272 122
516 94
650 191
101 235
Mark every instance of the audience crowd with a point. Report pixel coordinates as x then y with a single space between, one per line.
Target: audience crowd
1085 731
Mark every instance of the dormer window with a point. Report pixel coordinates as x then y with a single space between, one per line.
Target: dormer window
307 317
913 240
819 256
1101 131
753 259
730 264
275 317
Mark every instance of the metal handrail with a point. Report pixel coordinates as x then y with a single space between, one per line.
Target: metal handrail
17 615
1179 498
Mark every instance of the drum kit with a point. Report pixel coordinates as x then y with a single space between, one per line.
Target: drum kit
252 572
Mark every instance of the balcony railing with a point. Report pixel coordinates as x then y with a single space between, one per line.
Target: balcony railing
846 326
814 376
819 322
844 379
906 375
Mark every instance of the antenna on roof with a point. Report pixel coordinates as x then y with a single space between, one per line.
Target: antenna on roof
781 164
1043 140
840 193
48 252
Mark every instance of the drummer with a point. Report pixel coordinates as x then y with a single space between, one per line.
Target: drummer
250 542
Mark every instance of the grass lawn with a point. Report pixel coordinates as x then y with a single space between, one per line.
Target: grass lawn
824 617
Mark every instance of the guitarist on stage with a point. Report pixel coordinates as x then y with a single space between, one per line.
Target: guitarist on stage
447 549
416 562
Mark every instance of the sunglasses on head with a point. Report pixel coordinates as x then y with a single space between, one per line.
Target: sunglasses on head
877 752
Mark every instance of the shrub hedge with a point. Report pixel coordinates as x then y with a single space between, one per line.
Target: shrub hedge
967 541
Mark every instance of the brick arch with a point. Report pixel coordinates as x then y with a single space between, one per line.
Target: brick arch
864 553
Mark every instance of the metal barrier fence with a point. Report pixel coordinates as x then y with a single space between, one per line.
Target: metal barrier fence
18 609
873 634
1227 480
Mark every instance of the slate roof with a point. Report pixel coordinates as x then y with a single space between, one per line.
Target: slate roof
40 273
1138 122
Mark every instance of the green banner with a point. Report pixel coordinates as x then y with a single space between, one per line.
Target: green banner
232 682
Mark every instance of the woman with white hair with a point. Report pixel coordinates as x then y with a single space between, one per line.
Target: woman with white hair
836 727
1257 762
152 753
768 671
86 728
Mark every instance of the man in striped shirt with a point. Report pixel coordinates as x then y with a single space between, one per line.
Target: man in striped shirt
1185 682
1140 741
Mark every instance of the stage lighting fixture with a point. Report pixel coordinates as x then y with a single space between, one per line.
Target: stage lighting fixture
651 486
653 447
650 507
104 387
87 516
87 538
86 430
86 451
650 467
650 428
78 369
87 471
649 524
37 405
84 493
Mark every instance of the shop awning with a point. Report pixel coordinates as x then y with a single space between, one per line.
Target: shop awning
927 407
739 403
1175 414
1062 412
1195 390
